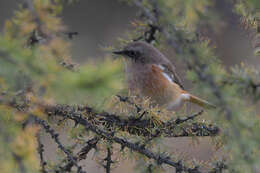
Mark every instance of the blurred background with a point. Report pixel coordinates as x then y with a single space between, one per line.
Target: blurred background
101 22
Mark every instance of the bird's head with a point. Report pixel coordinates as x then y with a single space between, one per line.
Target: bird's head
138 52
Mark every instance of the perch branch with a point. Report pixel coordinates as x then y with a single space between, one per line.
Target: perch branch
159 158
136 126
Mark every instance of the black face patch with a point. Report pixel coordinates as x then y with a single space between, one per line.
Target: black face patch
133 54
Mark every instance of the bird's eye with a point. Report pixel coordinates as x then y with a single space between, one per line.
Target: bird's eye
131 53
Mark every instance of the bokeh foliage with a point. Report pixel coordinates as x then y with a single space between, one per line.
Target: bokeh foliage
47 72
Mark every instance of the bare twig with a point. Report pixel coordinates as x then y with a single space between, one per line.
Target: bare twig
127 100
149 35
40 151
82 154
90 144
55 137
191 117
108 160
173 41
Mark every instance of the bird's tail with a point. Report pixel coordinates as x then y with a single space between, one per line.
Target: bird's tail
201 102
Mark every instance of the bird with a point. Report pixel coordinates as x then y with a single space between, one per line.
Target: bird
151 74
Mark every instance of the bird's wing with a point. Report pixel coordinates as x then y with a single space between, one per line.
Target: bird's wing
170 74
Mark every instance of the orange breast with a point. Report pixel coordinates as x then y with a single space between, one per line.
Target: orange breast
159 88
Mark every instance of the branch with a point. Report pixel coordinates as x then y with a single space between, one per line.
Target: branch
134 125
191 117
159 158
87 117
155 21
40 151
149 35
127 100
146 127
108 161
90 144
82 154
55 137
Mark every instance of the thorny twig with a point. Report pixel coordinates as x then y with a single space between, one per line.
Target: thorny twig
90 144
82 154
127 100
155 22
108 160
191 117
149 35
40 151
139 109
55 137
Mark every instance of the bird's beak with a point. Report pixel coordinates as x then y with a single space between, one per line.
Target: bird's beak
121 52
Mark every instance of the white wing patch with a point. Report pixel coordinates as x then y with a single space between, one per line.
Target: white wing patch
167 77
165 74
185 96
161 67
